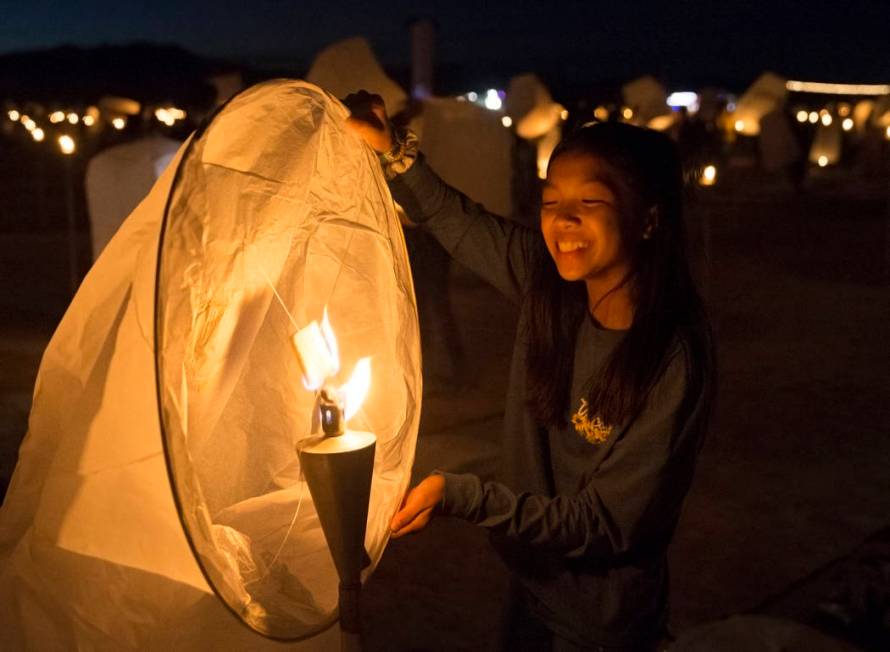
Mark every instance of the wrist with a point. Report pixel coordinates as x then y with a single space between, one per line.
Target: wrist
440 482
401 155
395 149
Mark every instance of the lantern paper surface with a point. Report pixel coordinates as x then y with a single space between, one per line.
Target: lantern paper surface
531 107
118 178
349 66
469 148
827 144
647 98
766 94
96 529
778 144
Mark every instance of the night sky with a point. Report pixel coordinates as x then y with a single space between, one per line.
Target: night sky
682 42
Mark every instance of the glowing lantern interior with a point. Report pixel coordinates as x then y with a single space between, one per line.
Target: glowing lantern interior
276 205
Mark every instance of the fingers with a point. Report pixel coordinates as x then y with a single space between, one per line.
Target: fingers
417 523
368 120
361 96
412 507
368 107
417 507
365 102
372 131
363 128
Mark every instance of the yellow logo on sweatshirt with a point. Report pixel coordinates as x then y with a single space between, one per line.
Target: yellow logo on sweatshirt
593 430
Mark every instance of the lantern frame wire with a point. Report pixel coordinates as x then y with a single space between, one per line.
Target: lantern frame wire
232 555
168 453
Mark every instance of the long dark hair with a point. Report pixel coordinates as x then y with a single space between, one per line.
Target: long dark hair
642 167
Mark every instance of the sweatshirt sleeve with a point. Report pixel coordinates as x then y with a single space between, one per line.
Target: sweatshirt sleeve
493 248
633 498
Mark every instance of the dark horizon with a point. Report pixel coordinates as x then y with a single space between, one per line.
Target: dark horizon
683 43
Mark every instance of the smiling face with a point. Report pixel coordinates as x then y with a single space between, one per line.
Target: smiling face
581 222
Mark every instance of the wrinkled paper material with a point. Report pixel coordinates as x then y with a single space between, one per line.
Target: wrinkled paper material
93 554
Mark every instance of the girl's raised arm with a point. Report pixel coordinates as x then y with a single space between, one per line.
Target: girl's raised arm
495 249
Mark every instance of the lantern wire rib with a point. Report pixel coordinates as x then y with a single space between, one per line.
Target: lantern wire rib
302 483
290 528
340 271
278 296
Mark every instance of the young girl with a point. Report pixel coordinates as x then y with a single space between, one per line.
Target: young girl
609 389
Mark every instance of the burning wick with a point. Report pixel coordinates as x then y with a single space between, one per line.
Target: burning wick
319 358
333 422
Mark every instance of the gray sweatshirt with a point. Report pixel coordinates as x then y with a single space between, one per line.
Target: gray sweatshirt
583 526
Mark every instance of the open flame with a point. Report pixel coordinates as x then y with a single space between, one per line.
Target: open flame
319 357
356 388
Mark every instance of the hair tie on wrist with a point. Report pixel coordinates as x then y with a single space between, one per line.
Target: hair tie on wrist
402 154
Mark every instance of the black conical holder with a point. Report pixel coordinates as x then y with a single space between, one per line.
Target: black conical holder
338 471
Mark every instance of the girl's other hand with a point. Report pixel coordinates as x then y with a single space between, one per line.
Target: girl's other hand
368 120
417 508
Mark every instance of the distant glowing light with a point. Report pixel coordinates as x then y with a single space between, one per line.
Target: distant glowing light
507 121
30 125
564 115
826 119
601 113
740 125
73 118
119 123
823 161
662 122
493 100
169 115
14 115
843 109
627 113
847 124
708 176
688 100
89 120
472 96
56 117
682 98
66 144
163 115
24 117
837 89
730 107
802 116
887 133
38 135
814 117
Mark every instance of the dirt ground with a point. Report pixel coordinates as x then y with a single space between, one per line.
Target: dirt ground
795 475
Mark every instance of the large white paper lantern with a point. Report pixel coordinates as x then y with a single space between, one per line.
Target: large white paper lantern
125 531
